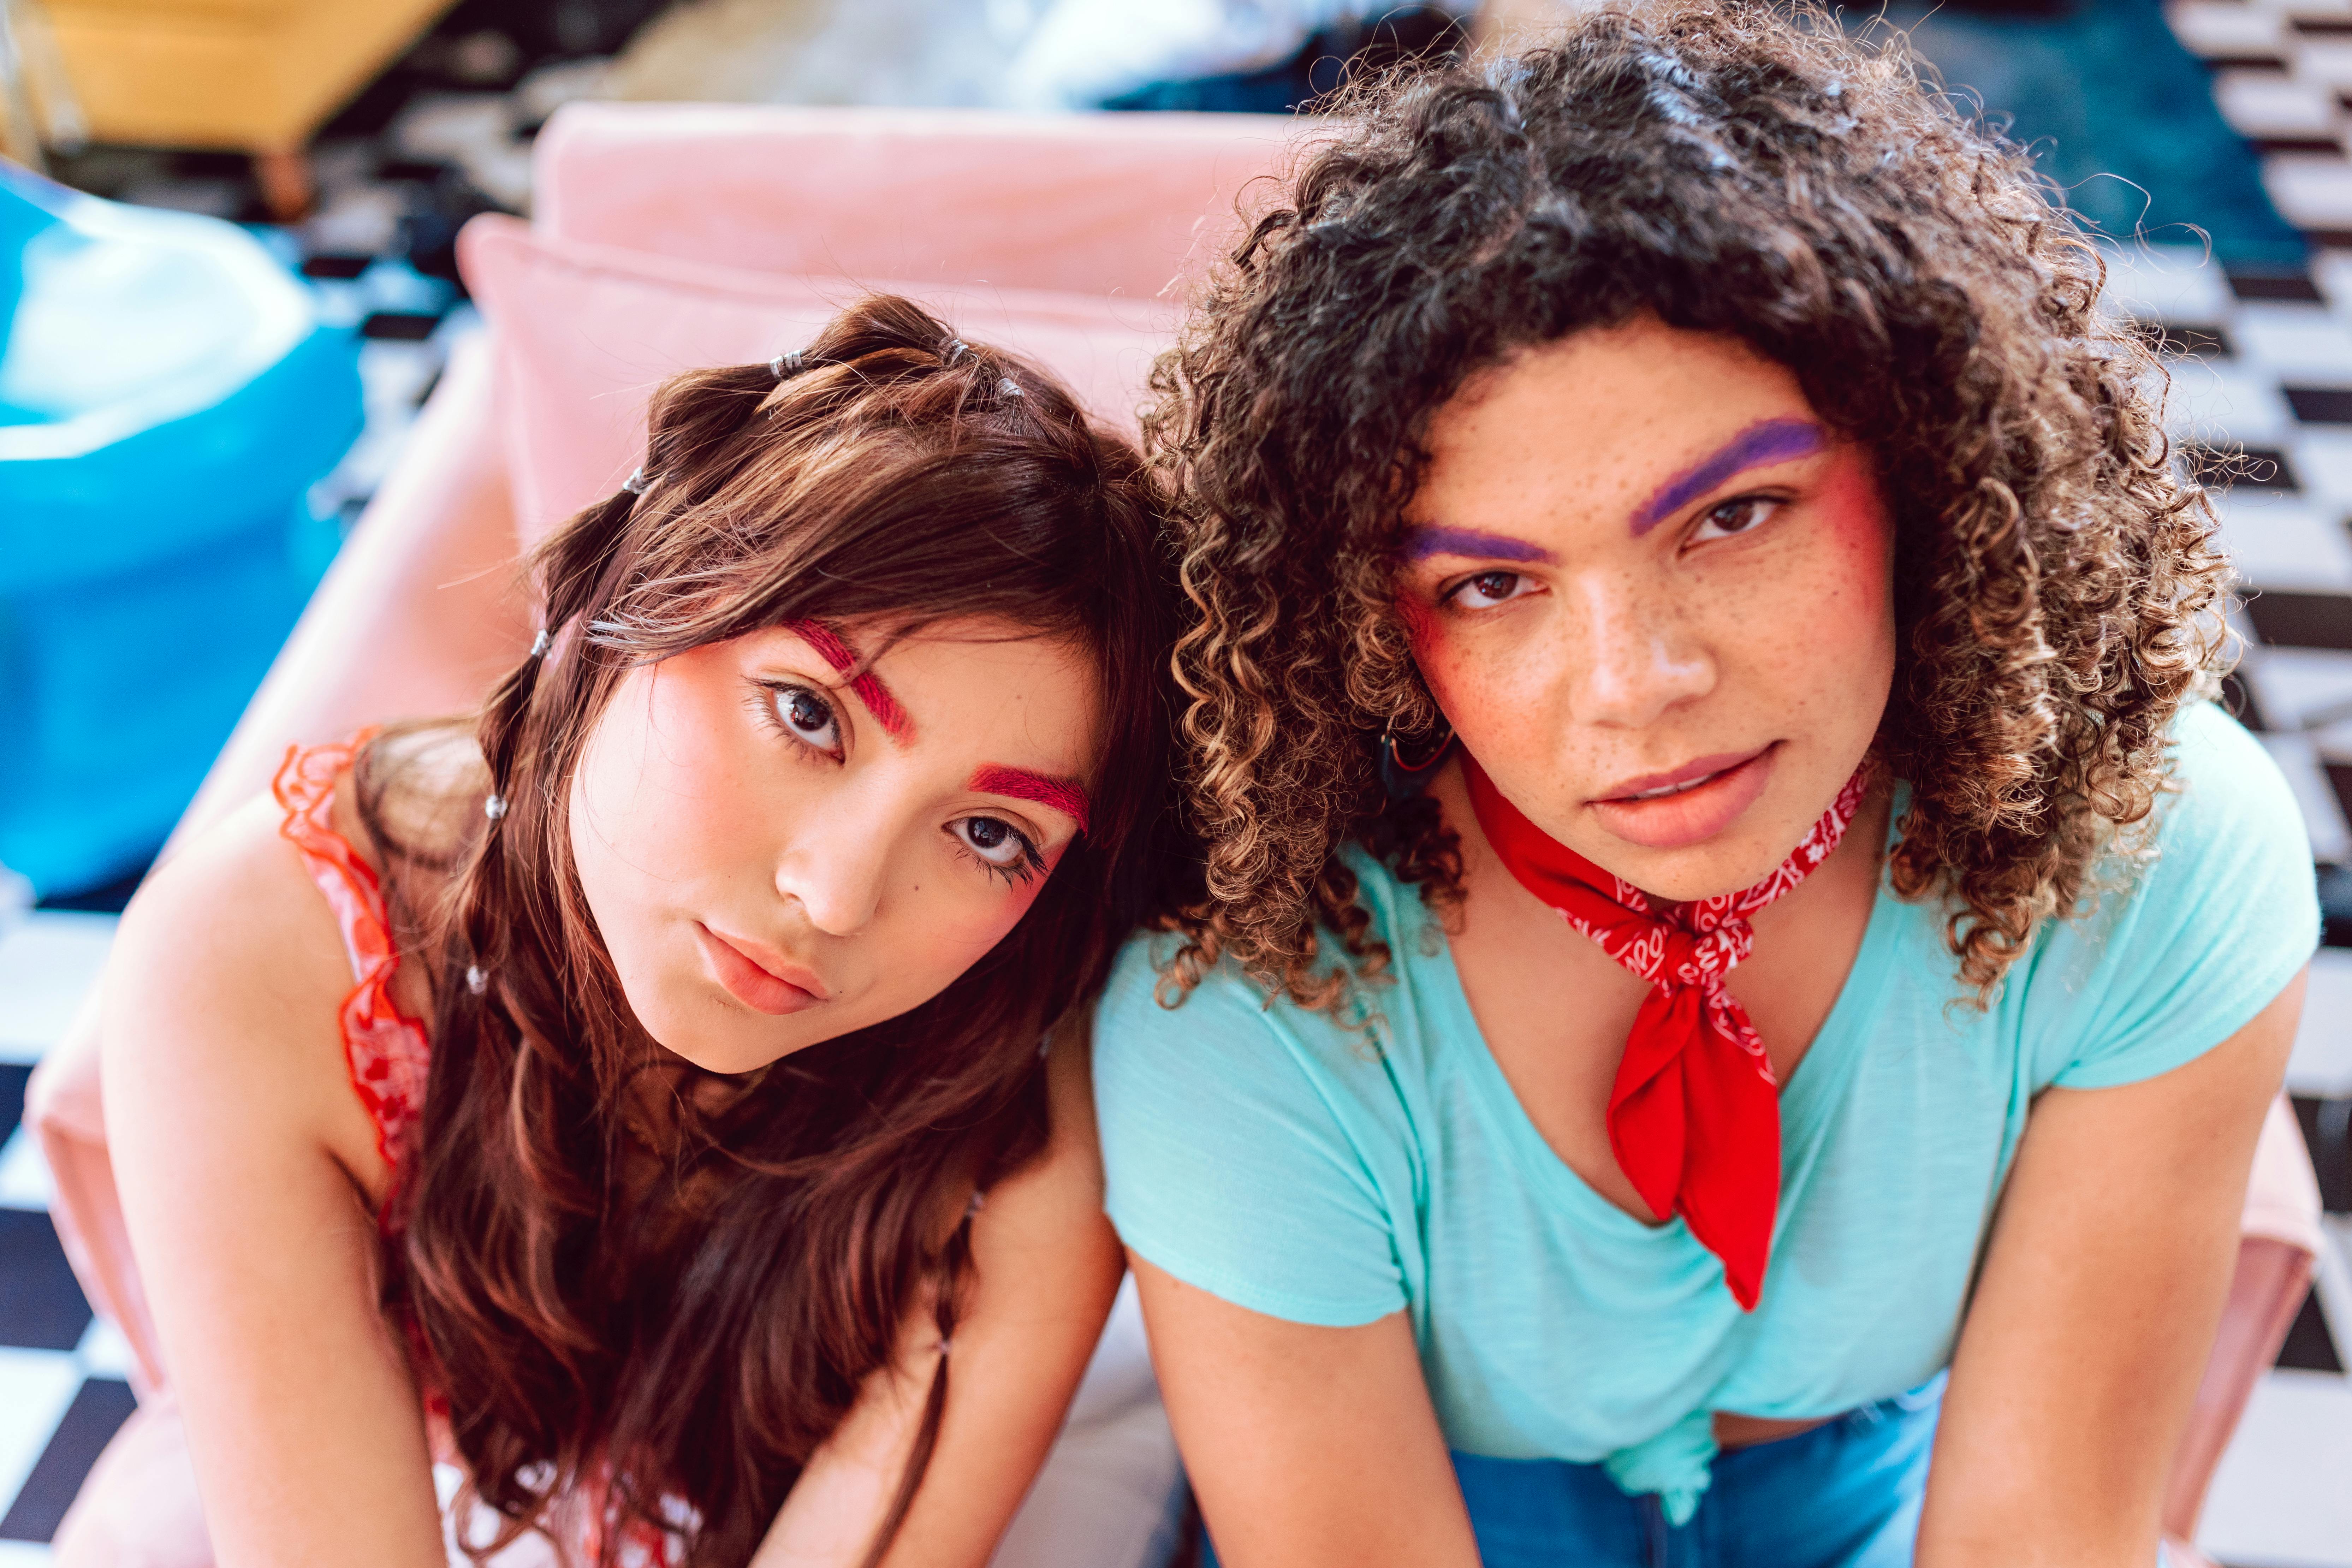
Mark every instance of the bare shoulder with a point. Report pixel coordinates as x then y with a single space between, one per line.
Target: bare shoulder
1064 1182
1070 1089
229 973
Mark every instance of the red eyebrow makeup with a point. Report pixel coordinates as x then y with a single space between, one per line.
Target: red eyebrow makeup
868 687
1065 796
1766 441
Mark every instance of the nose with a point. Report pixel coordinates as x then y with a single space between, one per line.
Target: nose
1639 659
836 866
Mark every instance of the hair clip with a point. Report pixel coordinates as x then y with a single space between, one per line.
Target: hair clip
979 1201
541 642
786 363
957 348
635 483
476 980
1008 387
494 806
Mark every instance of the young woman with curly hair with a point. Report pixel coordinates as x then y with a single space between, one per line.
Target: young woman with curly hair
703 982
1725 896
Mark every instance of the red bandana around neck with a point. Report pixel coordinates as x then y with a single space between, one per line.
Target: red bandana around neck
1694 1114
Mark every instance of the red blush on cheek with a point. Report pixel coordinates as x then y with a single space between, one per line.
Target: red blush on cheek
1425 635
1859 523
1420 625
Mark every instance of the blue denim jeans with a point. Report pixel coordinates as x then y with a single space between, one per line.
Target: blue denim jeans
1843 1495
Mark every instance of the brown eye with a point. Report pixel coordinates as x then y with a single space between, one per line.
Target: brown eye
1488 589
1739 515
807 718
1003 848
994 841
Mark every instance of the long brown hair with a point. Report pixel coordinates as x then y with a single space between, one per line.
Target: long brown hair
1743 170
671 1359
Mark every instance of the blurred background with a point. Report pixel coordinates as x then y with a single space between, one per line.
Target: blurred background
228 282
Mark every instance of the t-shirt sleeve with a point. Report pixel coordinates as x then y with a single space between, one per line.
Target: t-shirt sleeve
2168 967
1233 1155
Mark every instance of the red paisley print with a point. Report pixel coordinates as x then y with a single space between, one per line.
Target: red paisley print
1695 1113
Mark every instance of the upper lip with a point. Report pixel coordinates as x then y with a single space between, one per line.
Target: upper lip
1695 769
774 963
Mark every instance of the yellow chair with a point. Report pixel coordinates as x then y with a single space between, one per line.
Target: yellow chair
251 76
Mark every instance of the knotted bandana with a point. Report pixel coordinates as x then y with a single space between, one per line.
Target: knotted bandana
1695 1113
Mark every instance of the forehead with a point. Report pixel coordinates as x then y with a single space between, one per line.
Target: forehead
1605 415
969 687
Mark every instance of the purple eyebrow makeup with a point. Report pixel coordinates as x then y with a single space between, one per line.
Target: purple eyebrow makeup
1433 540
1766 441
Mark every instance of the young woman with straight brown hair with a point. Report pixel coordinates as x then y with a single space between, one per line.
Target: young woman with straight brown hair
692 1115
1725 896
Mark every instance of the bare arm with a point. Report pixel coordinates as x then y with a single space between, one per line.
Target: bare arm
1248 1395
1048 1266
234 1136
2096 1309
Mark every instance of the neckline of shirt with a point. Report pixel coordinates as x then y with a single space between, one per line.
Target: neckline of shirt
1806 1098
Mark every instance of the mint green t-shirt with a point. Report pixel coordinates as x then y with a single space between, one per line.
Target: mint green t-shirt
1325 1174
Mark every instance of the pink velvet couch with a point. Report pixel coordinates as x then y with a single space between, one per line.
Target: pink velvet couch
667 235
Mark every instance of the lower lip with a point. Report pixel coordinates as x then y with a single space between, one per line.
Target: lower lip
747 981
1693 816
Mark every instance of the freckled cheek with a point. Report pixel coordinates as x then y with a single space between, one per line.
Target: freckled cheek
1496 691
1420 624
1858 547
1433 653
1817 645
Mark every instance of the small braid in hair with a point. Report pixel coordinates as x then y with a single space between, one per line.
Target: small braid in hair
572 576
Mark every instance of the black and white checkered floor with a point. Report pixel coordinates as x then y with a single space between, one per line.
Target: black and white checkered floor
2264 370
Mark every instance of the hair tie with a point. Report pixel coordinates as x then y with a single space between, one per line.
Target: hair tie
1008 387
476 980
635 483
786 363
541 642
494 806
957 348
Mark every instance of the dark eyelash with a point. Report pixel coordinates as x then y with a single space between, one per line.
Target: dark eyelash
763 702
1753 498
1022 871
1446 595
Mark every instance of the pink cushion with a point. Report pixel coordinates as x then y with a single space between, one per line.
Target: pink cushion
1108 204
584 333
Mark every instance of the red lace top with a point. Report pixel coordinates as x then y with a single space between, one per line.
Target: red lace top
387 1049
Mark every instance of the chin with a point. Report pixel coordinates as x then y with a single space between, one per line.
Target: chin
728 1061
1727 864
709 1034
1745 852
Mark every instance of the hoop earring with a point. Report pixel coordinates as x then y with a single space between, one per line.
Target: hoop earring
1403 776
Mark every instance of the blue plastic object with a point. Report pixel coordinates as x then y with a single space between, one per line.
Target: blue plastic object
168 396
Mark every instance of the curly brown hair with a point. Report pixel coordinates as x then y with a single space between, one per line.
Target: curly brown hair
1748 171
